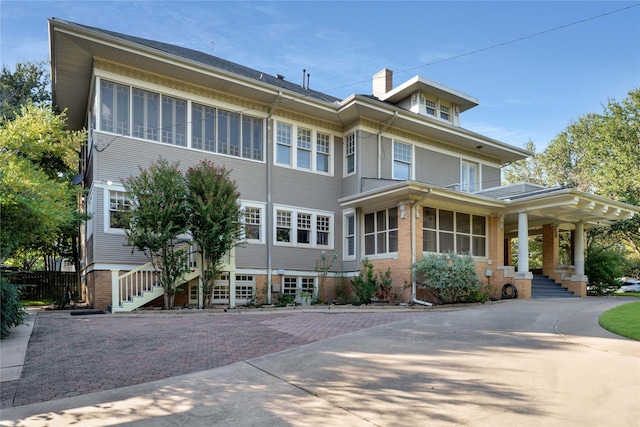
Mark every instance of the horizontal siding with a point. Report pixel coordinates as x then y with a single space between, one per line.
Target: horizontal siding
368 149
249 175
436 168
490 177
386 159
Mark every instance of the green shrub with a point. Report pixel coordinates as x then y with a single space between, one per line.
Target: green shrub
449 277
365 284
603 267
12 311
342 289
284 299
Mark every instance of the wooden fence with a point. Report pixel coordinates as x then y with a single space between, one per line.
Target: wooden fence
45 284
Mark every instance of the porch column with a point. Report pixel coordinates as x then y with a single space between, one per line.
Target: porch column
578 282
578 256
550 250
523 243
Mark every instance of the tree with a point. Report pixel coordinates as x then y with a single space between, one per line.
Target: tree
36 195
159 214
215 217
600 153
530 169
28 84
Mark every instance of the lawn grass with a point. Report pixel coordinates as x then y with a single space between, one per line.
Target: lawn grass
627 294
36 303
623 320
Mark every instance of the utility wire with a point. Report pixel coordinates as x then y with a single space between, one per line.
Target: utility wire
497 45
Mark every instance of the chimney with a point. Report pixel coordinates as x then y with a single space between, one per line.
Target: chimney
382 82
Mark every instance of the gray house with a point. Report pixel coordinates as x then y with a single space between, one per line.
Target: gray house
387 176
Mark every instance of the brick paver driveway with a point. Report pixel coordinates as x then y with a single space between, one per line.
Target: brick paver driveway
73 355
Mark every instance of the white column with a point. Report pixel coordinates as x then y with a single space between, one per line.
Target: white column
578 256
523 243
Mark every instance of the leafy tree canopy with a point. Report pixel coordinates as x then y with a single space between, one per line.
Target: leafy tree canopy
36 197
27 84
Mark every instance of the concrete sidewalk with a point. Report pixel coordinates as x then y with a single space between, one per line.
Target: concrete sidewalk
521 362
13 349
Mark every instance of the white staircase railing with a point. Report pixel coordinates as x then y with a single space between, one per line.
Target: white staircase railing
137 287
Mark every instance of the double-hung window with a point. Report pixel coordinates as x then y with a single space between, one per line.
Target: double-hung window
302 227
469 177
119 204
401 160
309 151
381 232
228 133
444 112
431 107
449 231
253 223
350 154
283 144
114 111
349 249
304 148
323 150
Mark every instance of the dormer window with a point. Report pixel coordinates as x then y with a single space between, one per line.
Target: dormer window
444 112
431 107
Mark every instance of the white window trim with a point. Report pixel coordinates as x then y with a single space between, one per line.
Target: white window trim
294 227
106 211
380 255
345 252
165 91
411 164
345 173
262 207
464 164
314 149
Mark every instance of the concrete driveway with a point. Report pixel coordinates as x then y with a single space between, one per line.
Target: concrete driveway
514 363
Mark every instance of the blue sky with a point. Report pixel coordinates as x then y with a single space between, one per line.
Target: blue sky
537 65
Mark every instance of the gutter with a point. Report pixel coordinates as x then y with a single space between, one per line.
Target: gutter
269 215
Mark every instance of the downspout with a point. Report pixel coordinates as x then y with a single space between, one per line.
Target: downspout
269 216
414 213
379 136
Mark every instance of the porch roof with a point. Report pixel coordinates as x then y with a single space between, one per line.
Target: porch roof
557 205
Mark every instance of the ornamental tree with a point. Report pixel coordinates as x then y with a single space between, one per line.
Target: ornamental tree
159 214
215 217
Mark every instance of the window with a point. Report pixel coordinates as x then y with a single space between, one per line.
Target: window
350 154
146 114
252 223
245 287
293 285
226 132
311 151
114 111
323 150
381 232
469 177
283 229
303 227
304 148
323 227
401 160
118 204
174 119
349 235
283 144
251 138
445 230
203 122
431 107
290 286
444 112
